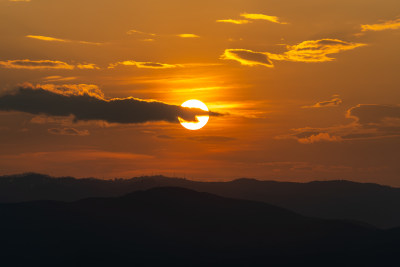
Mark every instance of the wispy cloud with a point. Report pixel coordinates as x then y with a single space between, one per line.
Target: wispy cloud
334 102
131 32
307 51
19 0
35 64
370 121
88 66
249 17
273 19
56 78
43 64
46 38
141 33
248 57
319 137
315 50
188 35
385 25
68 131
53 39
234 21
143 65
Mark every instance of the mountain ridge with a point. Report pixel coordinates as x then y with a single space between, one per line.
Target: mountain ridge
340 199
171 225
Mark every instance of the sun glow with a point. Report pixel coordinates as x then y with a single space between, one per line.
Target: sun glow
201 120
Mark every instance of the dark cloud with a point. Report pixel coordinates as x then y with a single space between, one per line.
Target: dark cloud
68 131
86 107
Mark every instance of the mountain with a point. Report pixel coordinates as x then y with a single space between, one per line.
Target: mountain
371 203
180 227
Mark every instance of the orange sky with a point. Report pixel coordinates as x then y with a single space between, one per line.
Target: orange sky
309 90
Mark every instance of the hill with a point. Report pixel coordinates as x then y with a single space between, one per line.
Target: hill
181 227
371 203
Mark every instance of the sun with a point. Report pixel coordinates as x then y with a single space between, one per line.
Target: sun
201 120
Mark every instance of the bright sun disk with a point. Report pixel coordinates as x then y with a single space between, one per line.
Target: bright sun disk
201 120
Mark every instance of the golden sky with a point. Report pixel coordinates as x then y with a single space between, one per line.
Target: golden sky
299 90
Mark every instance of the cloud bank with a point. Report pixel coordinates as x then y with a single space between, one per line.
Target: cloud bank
370 121
87 103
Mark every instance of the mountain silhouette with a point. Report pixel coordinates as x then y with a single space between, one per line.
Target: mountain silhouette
179 227
365 202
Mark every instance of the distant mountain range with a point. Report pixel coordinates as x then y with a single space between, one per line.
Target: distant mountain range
365 202
179 227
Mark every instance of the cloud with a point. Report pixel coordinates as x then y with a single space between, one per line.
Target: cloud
35 64
131 32
188 35
307 51
87 103
57 78
386 25
315 50
334 102
234 21
248 57
46 38
143 65
19 0
68 131
88 66
318 138
42 64
273 19
370 121
53 39
70 89
181 35
248 17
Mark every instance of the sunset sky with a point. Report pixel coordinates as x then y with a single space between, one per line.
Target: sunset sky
298 90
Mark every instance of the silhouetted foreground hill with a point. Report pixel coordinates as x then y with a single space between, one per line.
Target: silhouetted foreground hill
372 203
180 227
